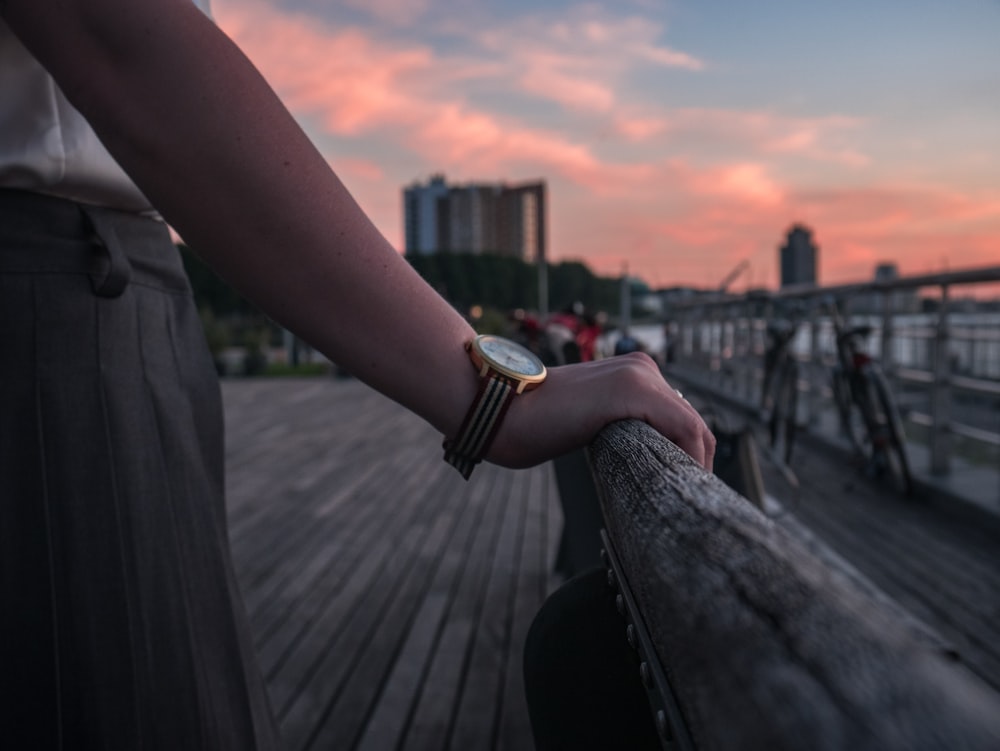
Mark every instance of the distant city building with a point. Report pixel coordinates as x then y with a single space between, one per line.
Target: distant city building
480 218
420 215
886 272
798 257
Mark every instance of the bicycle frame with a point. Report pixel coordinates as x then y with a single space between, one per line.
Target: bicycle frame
858 381
779 394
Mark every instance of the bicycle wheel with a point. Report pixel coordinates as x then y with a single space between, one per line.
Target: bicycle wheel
782 424
892 445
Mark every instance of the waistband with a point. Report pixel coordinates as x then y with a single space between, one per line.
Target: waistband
41 234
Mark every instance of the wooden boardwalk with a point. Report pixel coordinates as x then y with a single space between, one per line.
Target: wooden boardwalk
938 563
934 559
389 598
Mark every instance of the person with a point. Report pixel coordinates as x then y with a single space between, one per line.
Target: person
570 336
627 344
587 336
122 626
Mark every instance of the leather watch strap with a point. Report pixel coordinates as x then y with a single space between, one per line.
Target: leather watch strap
496 392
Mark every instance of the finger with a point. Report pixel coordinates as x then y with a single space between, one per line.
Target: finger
709 462
688 432
702 443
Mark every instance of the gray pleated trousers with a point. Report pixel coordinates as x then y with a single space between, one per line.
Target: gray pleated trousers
121 625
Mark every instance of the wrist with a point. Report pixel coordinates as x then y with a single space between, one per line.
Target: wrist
505 370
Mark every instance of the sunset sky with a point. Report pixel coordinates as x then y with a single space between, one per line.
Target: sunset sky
679 137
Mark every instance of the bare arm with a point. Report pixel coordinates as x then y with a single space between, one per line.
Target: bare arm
207 140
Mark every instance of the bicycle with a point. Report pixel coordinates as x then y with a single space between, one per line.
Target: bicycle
780 390
868 414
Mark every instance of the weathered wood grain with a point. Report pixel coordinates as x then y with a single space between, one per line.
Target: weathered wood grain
766 644
935 555
388 597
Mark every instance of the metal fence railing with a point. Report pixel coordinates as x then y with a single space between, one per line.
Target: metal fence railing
937 337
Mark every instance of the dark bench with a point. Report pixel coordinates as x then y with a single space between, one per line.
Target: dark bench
746 636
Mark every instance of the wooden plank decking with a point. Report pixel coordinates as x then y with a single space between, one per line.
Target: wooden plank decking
937 561
940 565
388 597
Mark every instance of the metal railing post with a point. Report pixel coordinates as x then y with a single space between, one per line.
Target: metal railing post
748 361
916 353
888 365
940 442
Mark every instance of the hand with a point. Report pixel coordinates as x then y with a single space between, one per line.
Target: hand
271 217
577 401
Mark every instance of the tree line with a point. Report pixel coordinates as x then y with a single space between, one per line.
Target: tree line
506 283
489 281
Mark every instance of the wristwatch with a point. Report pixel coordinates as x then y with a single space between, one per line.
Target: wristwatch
506 369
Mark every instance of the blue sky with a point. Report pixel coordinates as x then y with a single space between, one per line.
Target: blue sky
676 137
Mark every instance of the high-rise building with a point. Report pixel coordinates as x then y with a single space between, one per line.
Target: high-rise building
421 209
798 257
476 218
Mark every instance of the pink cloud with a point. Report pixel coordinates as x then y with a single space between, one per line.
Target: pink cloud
355 85
710 188
824 139
668 58
547 77
746 182
360 169
397 12
917 225
640 128
345 77
578 59
585 35
708 233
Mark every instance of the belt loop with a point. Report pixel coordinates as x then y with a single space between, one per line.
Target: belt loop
116 277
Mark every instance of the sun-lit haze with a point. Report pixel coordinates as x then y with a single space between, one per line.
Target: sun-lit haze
678 138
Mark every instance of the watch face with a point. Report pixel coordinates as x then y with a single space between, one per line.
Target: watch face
509 357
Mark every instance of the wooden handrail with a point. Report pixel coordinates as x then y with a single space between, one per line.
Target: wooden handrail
766 644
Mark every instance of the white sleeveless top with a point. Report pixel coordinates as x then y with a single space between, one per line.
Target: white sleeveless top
45 144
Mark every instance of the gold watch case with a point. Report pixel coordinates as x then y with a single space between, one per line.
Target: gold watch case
509 359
